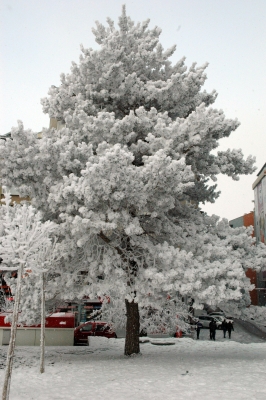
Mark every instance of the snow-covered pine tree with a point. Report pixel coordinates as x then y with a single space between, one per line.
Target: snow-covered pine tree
124 175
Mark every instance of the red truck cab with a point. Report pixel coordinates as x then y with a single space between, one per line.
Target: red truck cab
55 320
92 328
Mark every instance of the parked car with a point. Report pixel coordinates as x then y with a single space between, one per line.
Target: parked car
218 317
216 313
92 328
206 319
222 317
229 319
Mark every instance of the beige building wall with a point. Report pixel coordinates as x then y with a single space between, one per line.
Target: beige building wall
31 336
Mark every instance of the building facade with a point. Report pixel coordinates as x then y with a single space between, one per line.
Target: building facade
248 220
257 219
259 187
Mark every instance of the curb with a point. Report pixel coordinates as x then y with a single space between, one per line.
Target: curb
251 328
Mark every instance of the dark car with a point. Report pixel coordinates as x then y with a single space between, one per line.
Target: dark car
219 313
92 328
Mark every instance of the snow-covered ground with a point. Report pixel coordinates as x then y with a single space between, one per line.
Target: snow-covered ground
189 369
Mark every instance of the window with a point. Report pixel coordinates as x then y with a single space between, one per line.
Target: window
99 328
87 327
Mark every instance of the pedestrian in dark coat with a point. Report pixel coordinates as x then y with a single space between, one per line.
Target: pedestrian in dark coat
213 328
198 328
224 327
230 328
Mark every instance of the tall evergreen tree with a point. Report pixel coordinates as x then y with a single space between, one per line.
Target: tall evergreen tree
124 176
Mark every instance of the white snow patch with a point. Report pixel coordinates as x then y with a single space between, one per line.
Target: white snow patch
190 369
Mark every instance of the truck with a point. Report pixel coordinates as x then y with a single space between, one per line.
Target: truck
59 330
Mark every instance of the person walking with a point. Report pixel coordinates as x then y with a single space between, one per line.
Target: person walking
213 328
230 328
198 328
224 327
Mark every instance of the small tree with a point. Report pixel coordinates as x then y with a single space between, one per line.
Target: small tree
23 238
124 175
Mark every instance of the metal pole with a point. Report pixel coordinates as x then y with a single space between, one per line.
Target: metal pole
79 314
42 339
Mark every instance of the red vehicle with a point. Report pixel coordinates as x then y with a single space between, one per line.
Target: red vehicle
55 320
92 328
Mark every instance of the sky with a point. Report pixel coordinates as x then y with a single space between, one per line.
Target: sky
40 39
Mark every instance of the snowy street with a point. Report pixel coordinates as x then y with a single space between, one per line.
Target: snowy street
240 335
216 370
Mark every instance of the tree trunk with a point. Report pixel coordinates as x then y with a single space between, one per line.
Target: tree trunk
132 329
11 347
42 325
